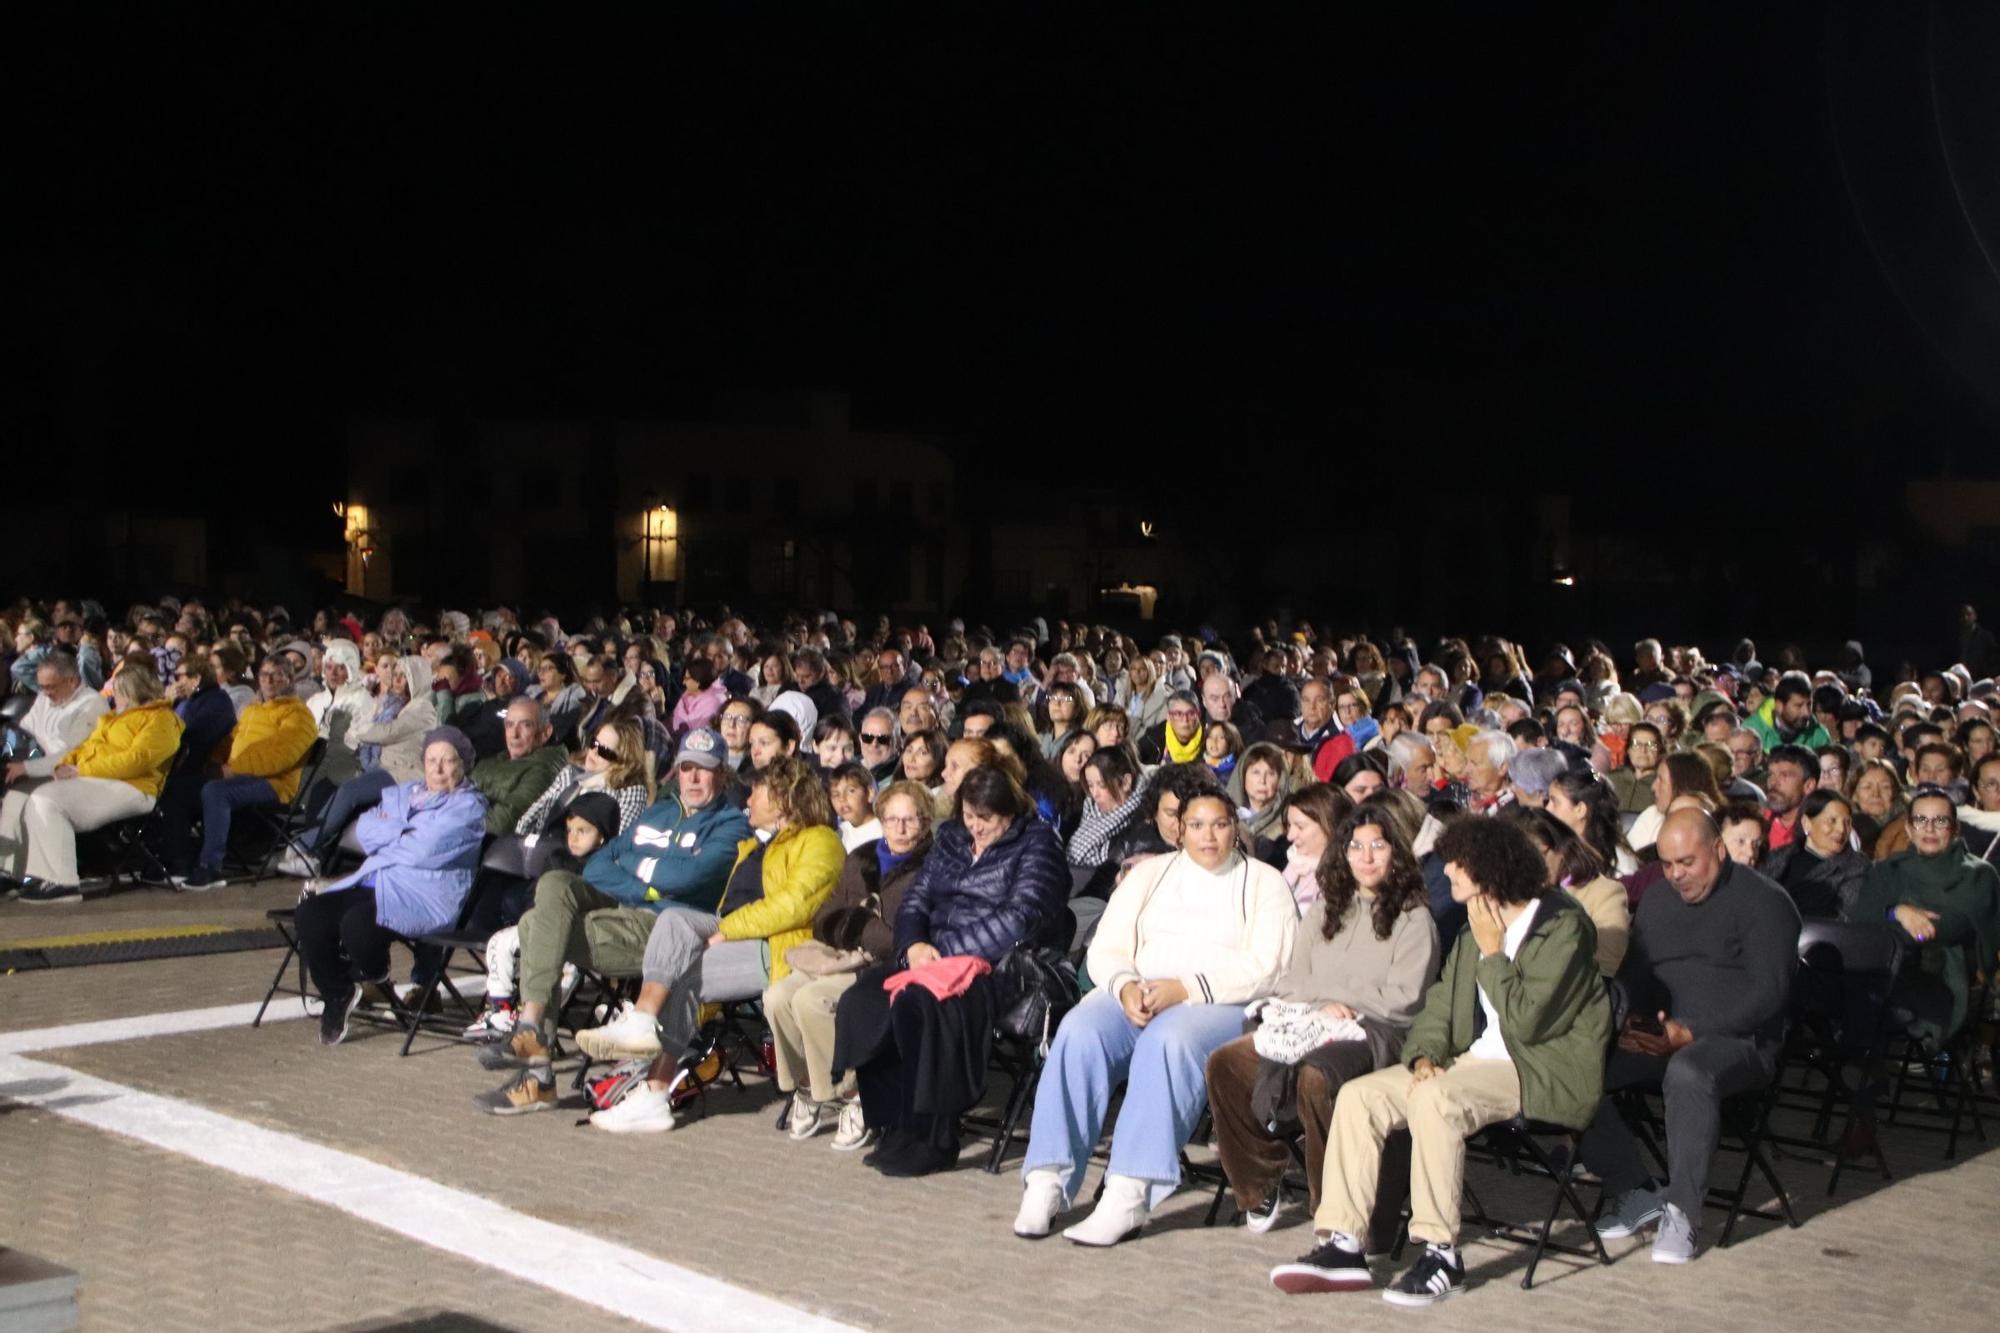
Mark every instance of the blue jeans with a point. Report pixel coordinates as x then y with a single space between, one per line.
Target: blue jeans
1164 1068
350 799
220 800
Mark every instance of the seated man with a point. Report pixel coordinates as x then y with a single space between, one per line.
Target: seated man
678 853
61 718
266 754
1709 972
510 782
1516 1025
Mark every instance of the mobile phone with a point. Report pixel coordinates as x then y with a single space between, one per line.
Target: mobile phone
1647 1023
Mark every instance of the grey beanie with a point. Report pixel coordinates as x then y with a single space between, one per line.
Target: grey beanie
456 739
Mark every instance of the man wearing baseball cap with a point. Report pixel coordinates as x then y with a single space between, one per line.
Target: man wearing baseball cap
675 856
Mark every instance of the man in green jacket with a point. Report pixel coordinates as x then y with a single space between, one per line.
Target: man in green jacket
1517 1024
512 782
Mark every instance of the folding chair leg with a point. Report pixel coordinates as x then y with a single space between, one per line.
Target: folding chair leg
277 978
1215 1204
1010 1119
423 1004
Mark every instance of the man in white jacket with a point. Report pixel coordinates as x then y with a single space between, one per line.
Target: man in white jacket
63 715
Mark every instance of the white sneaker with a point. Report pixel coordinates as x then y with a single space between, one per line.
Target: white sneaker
1120 1213
632 1035
493 1025
1041 1200
808 1117
645 1110
853 1132
297 865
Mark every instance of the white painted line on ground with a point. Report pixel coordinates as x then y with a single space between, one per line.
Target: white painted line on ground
145 1025
626 1282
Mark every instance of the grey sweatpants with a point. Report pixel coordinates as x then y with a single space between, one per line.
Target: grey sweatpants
679 957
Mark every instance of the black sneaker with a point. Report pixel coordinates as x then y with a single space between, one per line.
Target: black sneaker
1431 1279
41 892
333 1018
1330 1267
9 887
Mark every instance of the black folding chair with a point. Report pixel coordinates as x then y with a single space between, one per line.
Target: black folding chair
1746 1127
285 921
1948 1070
1839 1020
1021 1061
285 823
505 854
1518 1144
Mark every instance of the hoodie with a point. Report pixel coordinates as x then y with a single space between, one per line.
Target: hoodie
401 737
338 712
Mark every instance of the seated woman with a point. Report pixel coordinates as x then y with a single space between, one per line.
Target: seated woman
1677 775
773 735
1265 776
702 697
1062 707
855 926
783 873
1946 902
1881 820
614 763
116 773
561 696
835 742
1821 871
1585 802
1312 813
1184 942
733 723
1575 869
1364 954
994 881
423 842
390 748
922 759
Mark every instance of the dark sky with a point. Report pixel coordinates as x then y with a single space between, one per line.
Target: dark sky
1574 237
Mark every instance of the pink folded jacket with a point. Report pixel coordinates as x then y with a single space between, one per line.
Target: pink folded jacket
944 978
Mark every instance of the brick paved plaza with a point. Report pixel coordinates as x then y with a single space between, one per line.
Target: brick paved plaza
192 1236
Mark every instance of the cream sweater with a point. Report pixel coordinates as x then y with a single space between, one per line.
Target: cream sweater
1225 936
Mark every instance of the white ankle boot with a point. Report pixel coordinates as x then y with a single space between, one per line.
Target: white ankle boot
1120 1213
1041 1199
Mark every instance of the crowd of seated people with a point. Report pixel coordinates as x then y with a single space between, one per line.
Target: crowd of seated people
1335 893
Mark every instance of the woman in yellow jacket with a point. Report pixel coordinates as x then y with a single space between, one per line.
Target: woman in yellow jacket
781 877
115 774
267 756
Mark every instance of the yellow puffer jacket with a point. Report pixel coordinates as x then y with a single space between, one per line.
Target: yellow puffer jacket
801 866
135 746
271 741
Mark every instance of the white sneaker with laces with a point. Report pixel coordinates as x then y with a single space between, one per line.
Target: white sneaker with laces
853 1132
629 1036
493 1025
1041 1200
296 865
808 1117
645 1110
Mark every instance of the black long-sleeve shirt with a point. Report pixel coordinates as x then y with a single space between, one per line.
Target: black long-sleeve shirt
1723 966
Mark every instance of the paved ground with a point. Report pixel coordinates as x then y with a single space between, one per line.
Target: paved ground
164 1241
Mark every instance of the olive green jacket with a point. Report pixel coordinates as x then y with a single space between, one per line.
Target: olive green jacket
1554 1012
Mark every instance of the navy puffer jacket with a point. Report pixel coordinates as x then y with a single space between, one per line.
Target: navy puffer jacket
1014 894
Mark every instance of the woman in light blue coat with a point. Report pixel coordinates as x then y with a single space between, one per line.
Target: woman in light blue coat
422 844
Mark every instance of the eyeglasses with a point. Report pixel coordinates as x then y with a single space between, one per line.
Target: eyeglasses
1932 821
604 752
1650 747
875 738
900 821
1182 714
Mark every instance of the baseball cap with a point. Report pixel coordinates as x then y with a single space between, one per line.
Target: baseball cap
702 747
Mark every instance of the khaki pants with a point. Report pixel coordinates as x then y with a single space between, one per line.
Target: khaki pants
571 922
13 815
1440 1113
800 1011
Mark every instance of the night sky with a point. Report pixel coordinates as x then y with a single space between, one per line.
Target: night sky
1565 240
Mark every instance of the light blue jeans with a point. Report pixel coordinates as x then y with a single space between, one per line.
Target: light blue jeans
1163 1067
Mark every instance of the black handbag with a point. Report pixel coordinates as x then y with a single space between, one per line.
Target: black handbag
1035 987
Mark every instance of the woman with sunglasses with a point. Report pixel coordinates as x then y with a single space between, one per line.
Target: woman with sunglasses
615 763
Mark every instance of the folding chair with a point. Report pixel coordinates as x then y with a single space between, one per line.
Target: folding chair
1021 1061
1950 1070
1508 1143
1746 1126
1840 964
285 921
285 823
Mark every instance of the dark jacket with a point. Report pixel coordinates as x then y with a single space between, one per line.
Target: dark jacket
1274 697
207 717
1014 894
865 901
1821 886
828 699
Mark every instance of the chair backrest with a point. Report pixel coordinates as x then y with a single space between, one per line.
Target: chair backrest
15 707
309 769
1849 947
505 855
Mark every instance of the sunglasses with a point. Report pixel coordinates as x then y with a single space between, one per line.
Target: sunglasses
604 752
874 738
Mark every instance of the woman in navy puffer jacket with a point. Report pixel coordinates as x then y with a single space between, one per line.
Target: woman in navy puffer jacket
995 880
